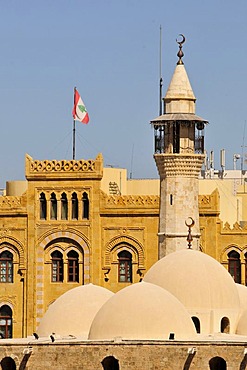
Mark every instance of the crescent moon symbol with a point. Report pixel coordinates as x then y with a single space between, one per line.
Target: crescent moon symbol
190 224
183 39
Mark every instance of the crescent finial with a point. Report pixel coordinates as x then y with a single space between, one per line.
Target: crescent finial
189 223
183 39
180 53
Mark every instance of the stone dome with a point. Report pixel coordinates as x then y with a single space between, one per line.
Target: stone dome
142 311
242 323
201 283
242 292
73 312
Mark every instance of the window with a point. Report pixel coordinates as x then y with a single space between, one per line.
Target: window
74 207
225 325
125 267
217 363
8 363
53 206
5 322
197 324
42 201
6 267
73 267
110 363
57 267
234 266
64 207
85 203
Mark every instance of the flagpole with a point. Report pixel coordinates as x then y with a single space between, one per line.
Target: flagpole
161 80
74 129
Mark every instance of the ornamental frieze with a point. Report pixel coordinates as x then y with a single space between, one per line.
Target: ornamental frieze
132 200
8 202
62 166
55 168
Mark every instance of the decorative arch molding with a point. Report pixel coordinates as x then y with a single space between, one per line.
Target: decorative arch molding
74 235
16 246
228 249
115 244
5 301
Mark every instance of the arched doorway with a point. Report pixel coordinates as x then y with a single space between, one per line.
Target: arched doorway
217 363
110 363
8 363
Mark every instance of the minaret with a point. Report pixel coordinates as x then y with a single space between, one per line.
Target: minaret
179 155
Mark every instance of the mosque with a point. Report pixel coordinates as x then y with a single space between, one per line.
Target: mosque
181 310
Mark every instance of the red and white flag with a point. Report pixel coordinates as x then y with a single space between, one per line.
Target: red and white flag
79 111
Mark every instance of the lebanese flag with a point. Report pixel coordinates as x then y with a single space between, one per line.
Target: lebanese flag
79 111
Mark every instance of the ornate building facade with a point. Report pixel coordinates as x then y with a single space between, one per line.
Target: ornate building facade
68 225
75 222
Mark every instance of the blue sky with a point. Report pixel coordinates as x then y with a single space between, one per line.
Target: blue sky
109 50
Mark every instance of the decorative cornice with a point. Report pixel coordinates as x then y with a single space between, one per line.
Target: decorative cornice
183 165
135 201
92 168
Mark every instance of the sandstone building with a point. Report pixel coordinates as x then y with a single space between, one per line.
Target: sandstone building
73 223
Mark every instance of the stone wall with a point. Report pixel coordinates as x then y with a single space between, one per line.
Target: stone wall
130 355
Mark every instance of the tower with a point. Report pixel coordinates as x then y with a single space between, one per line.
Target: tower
179 155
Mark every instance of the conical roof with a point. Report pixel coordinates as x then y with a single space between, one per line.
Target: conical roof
180 87
180 97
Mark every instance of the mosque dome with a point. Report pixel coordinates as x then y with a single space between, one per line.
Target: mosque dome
201 284
242 292
142 311
242 323
73 312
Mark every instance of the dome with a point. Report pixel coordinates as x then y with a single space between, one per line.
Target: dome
242 323
142 311
201 283
72 313
242 292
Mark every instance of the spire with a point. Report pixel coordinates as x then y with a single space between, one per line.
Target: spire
179 97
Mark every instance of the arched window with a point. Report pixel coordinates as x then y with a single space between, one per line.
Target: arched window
6 267
42 202
85 203
73 266
74 207
197 324
217 363
234 266
125 267
5 322
64 207
110 363
53 206
57 267
225 325
8 363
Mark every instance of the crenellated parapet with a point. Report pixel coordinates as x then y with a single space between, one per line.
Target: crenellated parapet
12 204
57 169
209 204
130 201
235 229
